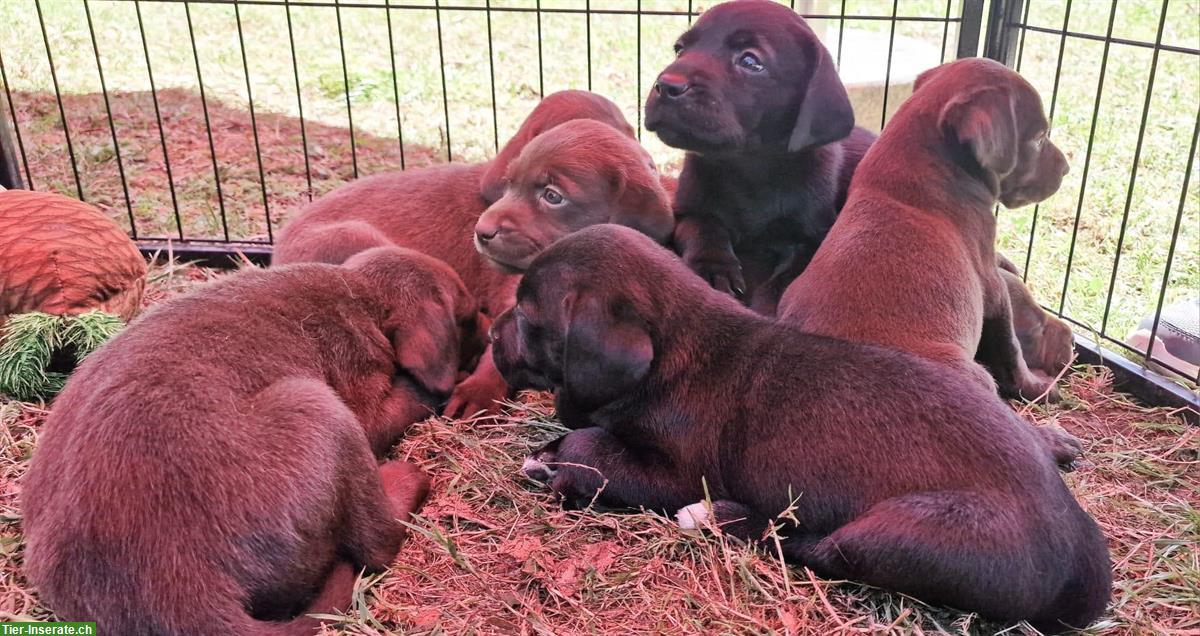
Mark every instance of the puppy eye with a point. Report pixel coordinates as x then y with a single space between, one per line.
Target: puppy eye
1040 142
678 49
750 62
552 196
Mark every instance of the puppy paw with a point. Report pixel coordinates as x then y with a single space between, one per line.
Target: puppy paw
475 396
1065 448
693 517
537 470
1039 386
721 270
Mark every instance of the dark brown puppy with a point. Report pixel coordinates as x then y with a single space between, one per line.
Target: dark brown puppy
435 210
756 101
214 465
911 261
672 385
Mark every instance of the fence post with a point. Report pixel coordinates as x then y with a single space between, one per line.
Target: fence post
10 174
968 28
1004 24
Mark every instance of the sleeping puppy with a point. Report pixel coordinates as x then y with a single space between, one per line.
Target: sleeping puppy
755 100
212 469
916 240
434 210
673 387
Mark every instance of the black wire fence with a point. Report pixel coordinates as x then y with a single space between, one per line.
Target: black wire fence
207 123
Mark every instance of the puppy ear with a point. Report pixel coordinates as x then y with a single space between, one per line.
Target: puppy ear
426 343
825 112
605 356
642 201
491 184
984 121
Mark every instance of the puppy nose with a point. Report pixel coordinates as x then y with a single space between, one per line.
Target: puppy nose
483 235
671 85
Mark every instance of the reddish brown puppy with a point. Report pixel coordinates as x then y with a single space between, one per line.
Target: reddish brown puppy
911 261
896 472
755 100
435 210
212 469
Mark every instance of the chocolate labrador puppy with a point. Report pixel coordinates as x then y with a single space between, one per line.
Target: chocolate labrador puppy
672 385
435 210
755 100
576 174
213 469
916 239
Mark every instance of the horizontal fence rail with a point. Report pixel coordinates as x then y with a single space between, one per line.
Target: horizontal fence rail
202 126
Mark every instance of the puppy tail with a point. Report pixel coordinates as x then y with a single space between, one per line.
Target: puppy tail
1085 596
335 595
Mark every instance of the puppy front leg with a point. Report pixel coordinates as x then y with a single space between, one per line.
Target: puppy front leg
707 248
480 392
1000 352
590 464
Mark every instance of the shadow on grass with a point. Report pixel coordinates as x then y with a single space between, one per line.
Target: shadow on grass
194 209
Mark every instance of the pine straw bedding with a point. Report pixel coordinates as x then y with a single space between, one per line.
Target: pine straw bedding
492 553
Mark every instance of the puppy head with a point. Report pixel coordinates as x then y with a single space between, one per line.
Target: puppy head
586 315
574 175
996 116
750 74
427 314
553 110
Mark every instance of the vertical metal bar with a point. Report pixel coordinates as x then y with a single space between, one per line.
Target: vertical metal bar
1137 155
287 8
887 74
638 99
1001 32
10 171
337 10
541 74
841 33
437 13
12 110
492 76
1024 32
690 11
1087 158
968 28
262 176
587 15
62 113
1062 47
212 148
162 135
395 83
112 127
1183 193
945 32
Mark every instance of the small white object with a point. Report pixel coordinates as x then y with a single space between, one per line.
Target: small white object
694 516
532 466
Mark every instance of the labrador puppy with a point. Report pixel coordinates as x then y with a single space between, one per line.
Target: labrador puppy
916 239
435 210
673 387
212 469
755 100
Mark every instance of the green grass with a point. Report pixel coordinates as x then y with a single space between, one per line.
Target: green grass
468 108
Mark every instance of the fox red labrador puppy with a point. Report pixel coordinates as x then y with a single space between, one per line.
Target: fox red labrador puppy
673 387
213 469
911 261
435 210
755 100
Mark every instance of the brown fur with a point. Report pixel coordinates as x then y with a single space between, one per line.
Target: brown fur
435 210
1047 343
213 469
899 474
911 262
